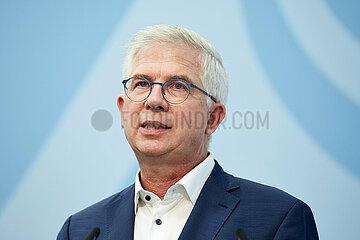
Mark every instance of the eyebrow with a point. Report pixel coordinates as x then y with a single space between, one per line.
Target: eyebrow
143 76
182 77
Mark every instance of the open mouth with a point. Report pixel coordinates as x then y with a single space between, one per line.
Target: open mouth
154 125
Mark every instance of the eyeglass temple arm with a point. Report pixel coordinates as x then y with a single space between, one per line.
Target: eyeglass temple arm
212 98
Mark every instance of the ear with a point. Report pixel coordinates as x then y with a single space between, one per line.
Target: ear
120 104
216 115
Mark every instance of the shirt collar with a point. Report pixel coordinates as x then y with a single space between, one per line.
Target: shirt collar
192 182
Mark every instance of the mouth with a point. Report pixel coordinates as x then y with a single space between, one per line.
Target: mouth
154 125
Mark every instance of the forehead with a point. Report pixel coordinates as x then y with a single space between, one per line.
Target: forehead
163 60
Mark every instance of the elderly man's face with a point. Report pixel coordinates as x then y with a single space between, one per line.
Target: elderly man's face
155 127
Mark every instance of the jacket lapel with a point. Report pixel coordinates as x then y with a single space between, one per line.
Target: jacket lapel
213 207
120 216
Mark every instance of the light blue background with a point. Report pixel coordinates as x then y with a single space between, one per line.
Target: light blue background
298 61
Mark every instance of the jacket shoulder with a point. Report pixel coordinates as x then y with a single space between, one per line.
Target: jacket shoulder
250 190
264 212
100 207
80 224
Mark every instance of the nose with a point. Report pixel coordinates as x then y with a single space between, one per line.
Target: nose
156 101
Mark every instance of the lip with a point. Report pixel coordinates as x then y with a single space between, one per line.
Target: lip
154 131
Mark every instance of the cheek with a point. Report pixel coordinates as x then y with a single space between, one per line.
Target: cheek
130 118
192 119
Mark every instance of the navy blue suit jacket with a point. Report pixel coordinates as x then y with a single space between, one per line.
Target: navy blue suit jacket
225 204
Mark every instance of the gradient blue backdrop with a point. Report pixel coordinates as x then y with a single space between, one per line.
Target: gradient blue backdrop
296 61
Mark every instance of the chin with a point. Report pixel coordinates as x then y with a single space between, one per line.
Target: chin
153 148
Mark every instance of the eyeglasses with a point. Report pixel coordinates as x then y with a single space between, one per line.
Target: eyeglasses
174 91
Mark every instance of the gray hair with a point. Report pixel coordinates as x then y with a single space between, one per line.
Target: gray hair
213 74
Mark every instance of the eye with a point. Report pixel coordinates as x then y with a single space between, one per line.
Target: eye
177 85
142 83
139 83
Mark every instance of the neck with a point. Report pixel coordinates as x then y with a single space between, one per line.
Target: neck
158 178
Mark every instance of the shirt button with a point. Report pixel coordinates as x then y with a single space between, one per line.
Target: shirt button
147 198
158 221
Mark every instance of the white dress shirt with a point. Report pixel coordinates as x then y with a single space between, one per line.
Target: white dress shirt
157 219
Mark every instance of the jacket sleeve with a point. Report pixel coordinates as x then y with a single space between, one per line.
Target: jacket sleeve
298 224
64 232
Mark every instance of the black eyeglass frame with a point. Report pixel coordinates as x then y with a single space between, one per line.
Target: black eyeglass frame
162 89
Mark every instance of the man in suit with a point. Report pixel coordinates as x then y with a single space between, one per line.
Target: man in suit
175 90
